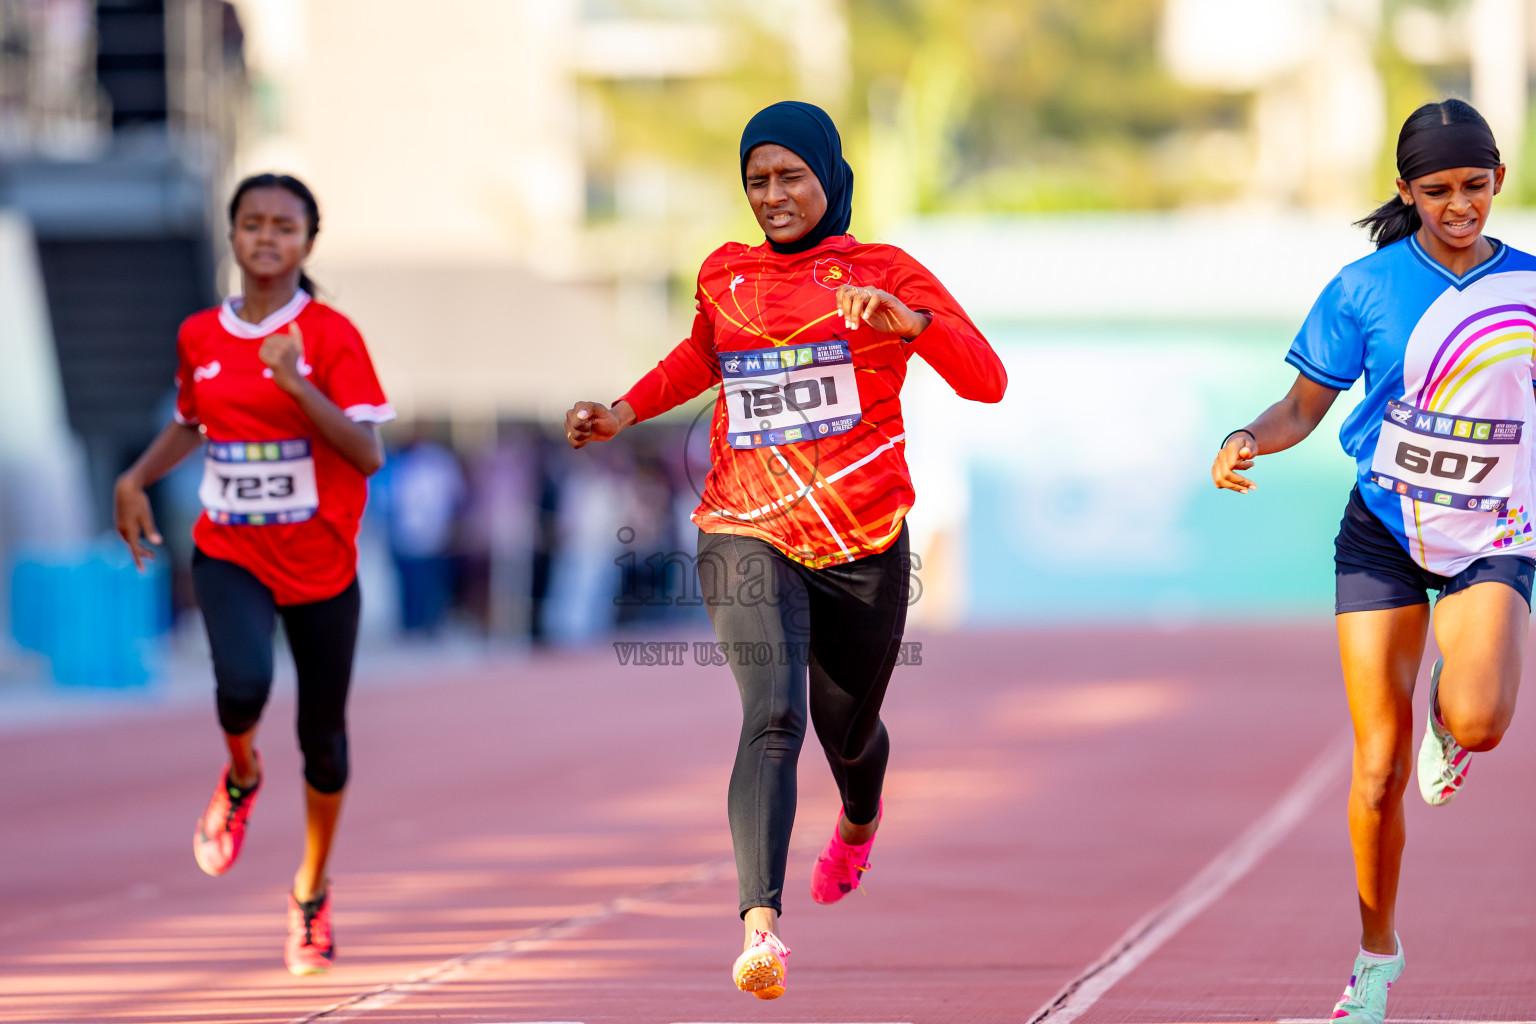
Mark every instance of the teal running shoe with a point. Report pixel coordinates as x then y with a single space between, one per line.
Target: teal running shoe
1365 997
1443 763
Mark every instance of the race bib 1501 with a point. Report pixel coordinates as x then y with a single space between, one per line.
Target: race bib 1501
259 483
1460 463
789 395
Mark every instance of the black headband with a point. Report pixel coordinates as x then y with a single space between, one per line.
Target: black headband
1445 146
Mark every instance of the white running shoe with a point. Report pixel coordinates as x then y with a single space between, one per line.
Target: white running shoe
1443 764
1365 997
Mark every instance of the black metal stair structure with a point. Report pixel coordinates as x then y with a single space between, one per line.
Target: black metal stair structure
115 305
131 60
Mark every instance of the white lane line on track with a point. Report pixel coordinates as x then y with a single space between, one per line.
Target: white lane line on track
1403 1020
506 949
1146 936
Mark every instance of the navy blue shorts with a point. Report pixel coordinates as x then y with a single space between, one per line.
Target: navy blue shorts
1373 570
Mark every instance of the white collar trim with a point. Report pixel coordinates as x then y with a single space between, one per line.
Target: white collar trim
231 322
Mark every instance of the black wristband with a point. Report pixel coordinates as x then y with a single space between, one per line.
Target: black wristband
1239 430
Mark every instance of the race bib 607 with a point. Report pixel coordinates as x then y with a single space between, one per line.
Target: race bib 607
1453 461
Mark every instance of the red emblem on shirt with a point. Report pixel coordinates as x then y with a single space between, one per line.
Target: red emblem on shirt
833 273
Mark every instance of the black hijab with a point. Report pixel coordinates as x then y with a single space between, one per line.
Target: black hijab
809 133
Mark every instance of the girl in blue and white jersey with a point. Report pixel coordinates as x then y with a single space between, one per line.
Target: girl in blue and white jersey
1441 322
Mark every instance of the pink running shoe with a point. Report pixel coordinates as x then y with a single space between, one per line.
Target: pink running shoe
310 948
221 829
840 866
760 968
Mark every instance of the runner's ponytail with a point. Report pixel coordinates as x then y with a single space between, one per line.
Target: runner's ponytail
294 187
1394 220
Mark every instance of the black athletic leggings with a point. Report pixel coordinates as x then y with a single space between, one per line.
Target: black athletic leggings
239 612
780 622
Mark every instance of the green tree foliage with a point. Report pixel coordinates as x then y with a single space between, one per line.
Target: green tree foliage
1028 104
953 106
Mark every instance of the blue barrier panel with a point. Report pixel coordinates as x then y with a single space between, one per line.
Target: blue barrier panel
96 618
1090 486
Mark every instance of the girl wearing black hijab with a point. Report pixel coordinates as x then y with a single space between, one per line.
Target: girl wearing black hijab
802 537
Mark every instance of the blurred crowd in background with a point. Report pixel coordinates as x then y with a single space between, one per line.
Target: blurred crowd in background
506 534
514 536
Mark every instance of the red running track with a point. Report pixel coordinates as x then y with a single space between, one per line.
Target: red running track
545 840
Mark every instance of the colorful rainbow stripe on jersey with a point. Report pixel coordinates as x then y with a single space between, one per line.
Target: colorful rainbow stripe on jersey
1511 336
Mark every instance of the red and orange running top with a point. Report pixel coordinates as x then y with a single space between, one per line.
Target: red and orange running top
806 436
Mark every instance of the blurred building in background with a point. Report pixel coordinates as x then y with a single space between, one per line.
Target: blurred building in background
1137 199
486 215
117 125
1329 80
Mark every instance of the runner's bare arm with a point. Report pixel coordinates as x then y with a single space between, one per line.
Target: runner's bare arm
358 443
131 513
1281 426
593 421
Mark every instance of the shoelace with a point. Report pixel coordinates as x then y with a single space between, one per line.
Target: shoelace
772 941
1454 772
856 871
846 854
233 804
1357 992
310 918
1458 775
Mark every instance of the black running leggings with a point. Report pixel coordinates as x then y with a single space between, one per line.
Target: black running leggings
779 624
239 612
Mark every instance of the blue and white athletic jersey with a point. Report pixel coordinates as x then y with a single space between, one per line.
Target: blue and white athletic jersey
1442 439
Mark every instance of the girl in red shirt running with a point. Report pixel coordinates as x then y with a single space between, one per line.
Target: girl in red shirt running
280 394
803 543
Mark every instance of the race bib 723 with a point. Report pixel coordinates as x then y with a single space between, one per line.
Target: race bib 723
259 483
790 394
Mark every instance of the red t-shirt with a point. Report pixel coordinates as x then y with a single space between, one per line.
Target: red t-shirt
806 439
278 499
